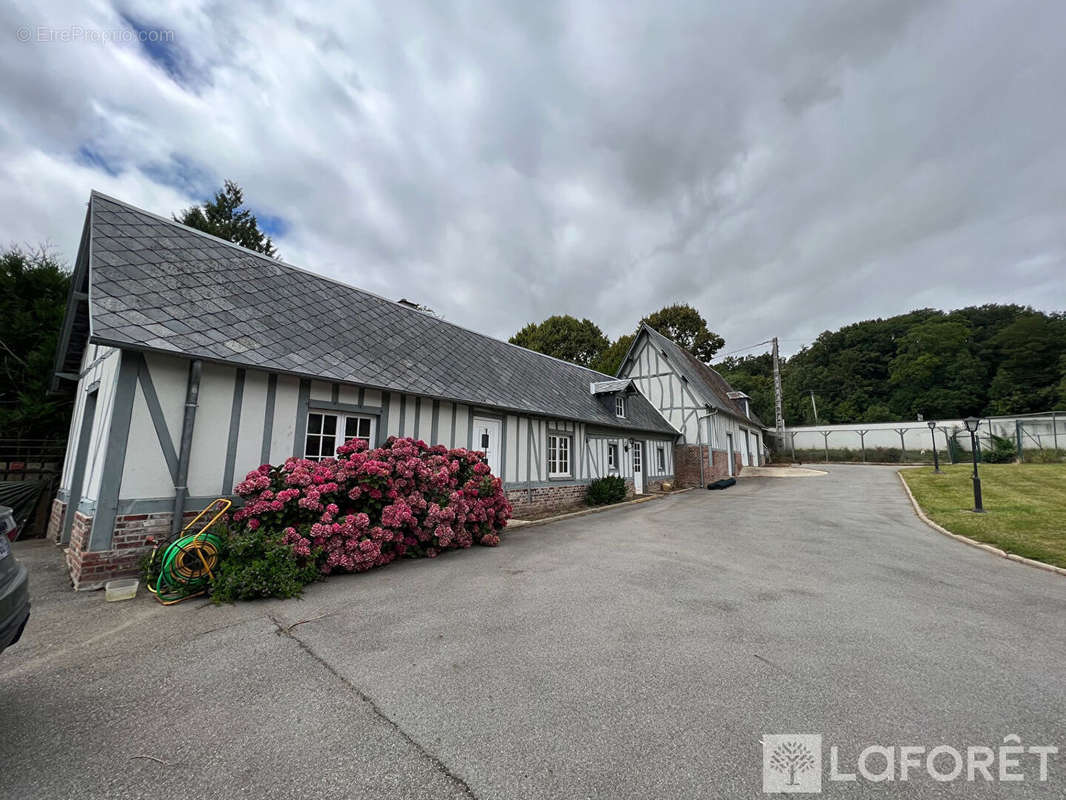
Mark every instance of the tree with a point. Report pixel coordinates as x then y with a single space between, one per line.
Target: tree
686 326
578 341
1029 350
753 375
976 360
33 298
611 359
1061 399
226 218
934 373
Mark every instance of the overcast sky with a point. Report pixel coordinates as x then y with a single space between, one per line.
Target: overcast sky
784 167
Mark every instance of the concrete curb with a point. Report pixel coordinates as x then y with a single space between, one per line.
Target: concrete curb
518 524
972 542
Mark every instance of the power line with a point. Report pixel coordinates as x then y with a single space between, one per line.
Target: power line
750 347
760 344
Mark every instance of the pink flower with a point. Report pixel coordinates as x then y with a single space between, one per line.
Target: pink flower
369 507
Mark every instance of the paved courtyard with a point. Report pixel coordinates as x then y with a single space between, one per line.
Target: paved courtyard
638 653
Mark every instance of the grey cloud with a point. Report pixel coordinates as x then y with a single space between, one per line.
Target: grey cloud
785 168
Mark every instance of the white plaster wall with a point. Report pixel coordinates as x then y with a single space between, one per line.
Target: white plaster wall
653 470
98 364
250 432
108 377
320 390
145 472
514 457
462 425
207 459
422 419
394 416
283 435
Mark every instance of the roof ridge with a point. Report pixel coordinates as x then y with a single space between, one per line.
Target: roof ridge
277 261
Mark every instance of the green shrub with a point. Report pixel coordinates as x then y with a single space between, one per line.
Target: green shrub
848 454
258 563
1002 451
1048 455
602 491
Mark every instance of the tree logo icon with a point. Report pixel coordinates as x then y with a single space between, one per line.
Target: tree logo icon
792 757
792 763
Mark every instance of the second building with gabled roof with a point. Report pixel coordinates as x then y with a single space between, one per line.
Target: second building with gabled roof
719 433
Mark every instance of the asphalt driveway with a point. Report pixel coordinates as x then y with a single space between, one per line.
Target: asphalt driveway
638 653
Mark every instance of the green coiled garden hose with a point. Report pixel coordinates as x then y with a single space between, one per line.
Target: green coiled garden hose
188 564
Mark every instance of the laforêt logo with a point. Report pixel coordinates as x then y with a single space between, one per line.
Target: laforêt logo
792 763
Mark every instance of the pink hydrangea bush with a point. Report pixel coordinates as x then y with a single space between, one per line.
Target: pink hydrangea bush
368 507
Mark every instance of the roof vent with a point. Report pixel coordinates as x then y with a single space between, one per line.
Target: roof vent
403 301
745 401
607 387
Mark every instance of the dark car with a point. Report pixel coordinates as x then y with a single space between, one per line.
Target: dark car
14 585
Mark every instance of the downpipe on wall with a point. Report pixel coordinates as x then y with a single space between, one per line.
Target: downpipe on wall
181 482
699 441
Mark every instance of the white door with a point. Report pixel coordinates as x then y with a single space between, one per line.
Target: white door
729 442
745 452
487 440
755 449
638 467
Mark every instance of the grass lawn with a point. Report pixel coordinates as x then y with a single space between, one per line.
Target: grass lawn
1026 505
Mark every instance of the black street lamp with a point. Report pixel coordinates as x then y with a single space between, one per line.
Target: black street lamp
932 435
971 424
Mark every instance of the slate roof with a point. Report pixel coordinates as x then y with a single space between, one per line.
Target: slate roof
716 389
157 285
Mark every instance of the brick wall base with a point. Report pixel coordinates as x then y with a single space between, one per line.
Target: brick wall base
687 459
543 500
546 499
55 520
135 535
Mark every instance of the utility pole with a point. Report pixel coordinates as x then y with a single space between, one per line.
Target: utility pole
778 412
814 406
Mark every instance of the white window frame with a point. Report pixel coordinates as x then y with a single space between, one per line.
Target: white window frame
612 456
342 425
620 407
660 455
560 455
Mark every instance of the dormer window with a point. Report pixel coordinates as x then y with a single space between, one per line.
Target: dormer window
620 406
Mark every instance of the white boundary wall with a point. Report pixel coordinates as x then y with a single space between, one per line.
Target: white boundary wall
1037 430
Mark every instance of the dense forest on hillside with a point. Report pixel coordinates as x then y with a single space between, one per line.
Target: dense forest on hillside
991 359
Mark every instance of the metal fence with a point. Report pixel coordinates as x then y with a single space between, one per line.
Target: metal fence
1027 438
29 478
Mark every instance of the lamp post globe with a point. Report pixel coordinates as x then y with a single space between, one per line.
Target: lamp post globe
932 435
971 424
